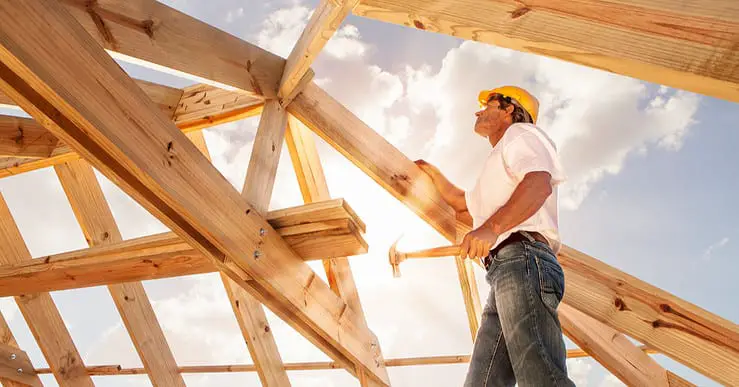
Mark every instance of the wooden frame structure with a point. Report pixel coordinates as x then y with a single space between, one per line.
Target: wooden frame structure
145 138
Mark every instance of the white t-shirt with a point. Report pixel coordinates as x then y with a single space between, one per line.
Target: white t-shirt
524 148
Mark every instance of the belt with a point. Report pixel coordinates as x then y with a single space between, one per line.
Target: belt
518 236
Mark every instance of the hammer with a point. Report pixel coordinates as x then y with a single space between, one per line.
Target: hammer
397 257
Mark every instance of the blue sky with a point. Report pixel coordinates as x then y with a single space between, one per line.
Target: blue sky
651 189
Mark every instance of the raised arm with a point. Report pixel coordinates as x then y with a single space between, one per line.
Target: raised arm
452 195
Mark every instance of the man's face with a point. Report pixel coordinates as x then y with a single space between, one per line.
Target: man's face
492 119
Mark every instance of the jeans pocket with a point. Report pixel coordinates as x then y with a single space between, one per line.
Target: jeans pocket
551 282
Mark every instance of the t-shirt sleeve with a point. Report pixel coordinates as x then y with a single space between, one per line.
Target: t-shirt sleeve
530 153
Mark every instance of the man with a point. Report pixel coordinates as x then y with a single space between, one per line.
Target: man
513 207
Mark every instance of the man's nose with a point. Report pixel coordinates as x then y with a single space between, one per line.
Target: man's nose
477 113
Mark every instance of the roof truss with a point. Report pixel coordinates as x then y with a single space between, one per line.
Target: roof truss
147 155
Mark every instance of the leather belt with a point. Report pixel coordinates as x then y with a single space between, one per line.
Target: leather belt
518 236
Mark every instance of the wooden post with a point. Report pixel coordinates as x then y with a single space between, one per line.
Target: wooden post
258 184
99 228
313 186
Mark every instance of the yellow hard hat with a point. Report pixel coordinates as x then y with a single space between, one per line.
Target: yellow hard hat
523 97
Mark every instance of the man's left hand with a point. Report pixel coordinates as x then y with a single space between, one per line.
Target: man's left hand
477 243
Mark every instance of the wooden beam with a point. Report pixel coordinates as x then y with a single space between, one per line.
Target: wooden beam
611 349
99 228
695 337
258 185
40 312
101 113
686 333
16 367
155 35
191 109
24 138
8 340
690 46
110 370
311 229
313 185
323 23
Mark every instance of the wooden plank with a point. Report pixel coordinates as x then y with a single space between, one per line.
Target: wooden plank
99 228
7 339
325 20
375 156
688 334
103 115
167 255
24 138
109 370
314 188
695 337
690 45
201 106
611 349
156 35
16 367
40 312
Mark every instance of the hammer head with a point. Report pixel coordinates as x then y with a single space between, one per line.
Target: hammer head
395 259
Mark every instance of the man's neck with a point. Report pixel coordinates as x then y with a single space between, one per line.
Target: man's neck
495 138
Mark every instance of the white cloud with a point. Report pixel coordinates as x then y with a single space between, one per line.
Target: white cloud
234 14
709 251
579 371
598 119
282 29
611 381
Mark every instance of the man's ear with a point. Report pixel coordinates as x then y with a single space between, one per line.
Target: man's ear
510 109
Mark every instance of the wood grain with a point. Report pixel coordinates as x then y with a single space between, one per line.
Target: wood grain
103 115
314 188
324 21
150 31
612 349
691 45
24 138
99 228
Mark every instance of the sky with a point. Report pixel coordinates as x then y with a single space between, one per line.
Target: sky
650 190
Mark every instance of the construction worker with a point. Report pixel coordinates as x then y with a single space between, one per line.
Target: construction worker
513 208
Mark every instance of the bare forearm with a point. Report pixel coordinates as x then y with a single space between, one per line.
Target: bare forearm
527 198
452 195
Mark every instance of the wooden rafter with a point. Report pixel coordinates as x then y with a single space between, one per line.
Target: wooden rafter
200 106
41 314
664 322
688 46
7 339
25 138
612 349
161 169
312 181
325 20
693 336
470 294
155 34
99 228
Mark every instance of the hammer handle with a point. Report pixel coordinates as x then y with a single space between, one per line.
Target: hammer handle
443 251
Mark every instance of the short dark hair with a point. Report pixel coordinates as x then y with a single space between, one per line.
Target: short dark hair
519 114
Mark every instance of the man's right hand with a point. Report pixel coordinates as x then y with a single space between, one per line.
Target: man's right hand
426 167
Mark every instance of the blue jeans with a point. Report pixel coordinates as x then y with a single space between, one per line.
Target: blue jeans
520 338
